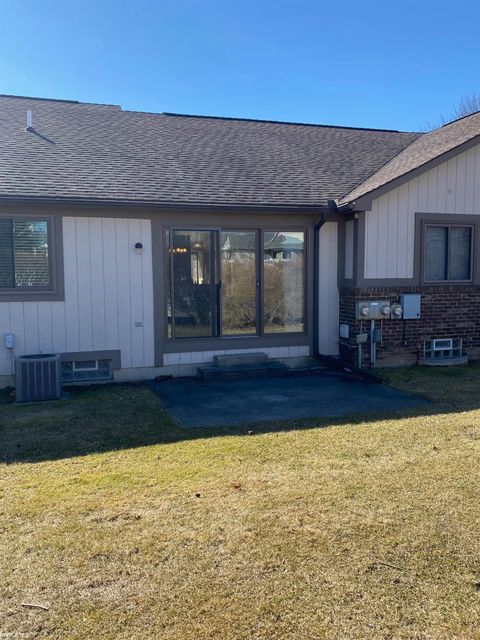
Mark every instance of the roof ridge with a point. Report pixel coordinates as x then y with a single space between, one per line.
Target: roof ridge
95 104
299 124
207 117
474 113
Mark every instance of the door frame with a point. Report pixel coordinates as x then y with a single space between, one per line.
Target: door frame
216 280
165 222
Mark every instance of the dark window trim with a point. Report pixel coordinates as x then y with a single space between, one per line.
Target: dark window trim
260 337
237 342
55 292
426 225
342 279
421 220
424 220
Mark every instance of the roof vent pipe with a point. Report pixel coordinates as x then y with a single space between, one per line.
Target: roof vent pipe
29 126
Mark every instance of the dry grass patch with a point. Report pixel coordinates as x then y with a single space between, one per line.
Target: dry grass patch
129 527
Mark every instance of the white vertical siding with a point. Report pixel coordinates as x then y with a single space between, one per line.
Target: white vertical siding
108 290
451 187
328 312
147 294
349 242
197 357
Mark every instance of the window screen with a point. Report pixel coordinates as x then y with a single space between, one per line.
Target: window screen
24 254
30 242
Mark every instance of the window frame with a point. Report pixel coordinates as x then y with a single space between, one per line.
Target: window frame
55 289
424 219
261 308
448 226
260 334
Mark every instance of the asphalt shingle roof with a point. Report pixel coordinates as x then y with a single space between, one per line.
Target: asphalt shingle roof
421 151
100 152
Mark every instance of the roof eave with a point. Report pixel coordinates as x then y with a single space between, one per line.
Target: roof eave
163 205
364 201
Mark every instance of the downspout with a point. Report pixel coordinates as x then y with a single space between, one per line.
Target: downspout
334 208
316 280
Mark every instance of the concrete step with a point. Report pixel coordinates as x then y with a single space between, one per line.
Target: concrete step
309 363
235 359
270 369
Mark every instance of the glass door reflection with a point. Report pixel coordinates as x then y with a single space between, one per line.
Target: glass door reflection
239 282
193 283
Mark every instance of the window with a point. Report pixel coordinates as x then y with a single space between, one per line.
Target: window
239 282
235 282
25 262
193 282
86 370
283 255
448 253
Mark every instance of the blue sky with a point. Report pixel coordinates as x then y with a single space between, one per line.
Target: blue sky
372 64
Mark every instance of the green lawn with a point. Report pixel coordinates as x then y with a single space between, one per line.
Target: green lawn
128 527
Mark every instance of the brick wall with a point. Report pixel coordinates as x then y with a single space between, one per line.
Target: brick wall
446 312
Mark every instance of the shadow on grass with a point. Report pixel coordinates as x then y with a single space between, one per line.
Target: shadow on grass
106 418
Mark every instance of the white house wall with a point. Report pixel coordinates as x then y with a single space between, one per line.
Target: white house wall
452 187
108 297
328 311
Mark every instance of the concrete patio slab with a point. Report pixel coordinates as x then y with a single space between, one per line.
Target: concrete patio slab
196 404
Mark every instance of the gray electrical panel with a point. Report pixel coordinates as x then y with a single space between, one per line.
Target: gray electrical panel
411 304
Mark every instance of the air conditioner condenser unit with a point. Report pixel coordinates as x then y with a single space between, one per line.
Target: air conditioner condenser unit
37 378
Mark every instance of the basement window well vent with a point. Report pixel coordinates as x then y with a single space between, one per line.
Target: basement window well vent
443 351
86 370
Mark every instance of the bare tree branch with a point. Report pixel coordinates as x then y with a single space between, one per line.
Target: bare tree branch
468 104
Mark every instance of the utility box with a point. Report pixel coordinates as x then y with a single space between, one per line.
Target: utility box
411 304
344 331
372 310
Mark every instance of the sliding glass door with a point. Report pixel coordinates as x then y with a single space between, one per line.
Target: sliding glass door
193 284
235 283
283 260
239 282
